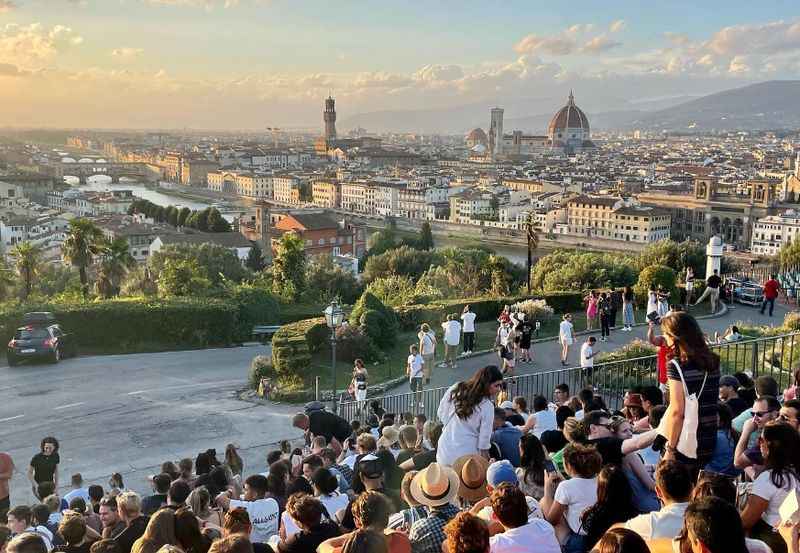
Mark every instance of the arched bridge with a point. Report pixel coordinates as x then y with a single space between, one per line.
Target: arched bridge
115 170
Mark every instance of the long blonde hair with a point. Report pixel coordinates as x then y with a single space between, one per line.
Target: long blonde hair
160 531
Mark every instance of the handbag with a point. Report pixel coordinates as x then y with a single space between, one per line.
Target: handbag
687 442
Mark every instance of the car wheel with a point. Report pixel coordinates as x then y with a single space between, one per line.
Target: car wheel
55 357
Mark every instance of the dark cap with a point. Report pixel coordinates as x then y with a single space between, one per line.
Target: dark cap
730 381
370 466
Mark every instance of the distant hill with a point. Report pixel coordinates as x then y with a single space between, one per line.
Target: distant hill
767 105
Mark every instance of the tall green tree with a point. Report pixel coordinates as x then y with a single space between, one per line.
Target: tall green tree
7 280
255 259
425 237
182 277
84 242
27 262
289 267
789 255
202 219
115 263
216 222
183 214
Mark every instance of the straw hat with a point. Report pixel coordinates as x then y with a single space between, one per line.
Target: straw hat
389 436
471 471
435 486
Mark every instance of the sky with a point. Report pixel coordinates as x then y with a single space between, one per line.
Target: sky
252 64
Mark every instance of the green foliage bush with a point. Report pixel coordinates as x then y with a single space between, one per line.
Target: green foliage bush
325 281
292 346
791 321
677 255
660 276
632 350
377 320
402 261
576 270
352 343
137 325
398 290
255 306
260 367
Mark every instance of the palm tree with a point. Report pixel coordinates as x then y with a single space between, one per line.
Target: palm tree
117 261
27 259
84 242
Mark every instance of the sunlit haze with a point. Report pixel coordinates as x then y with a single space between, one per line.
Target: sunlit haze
251 64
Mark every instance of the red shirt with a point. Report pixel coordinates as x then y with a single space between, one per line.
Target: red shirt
771 289
6 470
663 352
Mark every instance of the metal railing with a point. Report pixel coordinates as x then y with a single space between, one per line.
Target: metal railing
776 356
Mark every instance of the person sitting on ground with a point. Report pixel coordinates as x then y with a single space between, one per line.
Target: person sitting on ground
112 524
200 502
104 546
466 533
724 451
614 504
187 531
506 437
314 528
432 431
129 510
574 432
780 448
370 476
370 513
158 499
764 385
160 531
263 510
343 473
596 426
531 471
72 529
405 519
435 487
326 490
542 419
620 540
502 472
237 522
471 471
408 440
566 501
26 542
673 487
519 533
21 520
639 477
178 493
765 410
232 544
554 440
729 395
92 520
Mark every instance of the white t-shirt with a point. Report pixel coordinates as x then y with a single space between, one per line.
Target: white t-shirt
80 492
428 341
652 302
469 321
463 436
565 331
452 332
545 420
666 523
334 502
538 535
766 490
415 362
586 350
504 335
577 495
263 516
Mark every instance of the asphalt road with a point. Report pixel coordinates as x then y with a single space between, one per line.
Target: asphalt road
129 413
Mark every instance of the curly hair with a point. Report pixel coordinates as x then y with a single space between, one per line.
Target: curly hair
466 533
468 394
372 509
306 510
237 521
584 460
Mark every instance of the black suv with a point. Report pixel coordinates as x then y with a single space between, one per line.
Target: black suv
40 337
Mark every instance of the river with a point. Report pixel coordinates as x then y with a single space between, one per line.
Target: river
101 184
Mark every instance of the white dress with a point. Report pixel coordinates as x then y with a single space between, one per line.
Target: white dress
652 302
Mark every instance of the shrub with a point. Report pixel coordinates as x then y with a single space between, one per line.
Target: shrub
576 270
260 367
255 306
791 321
657 275
632 350
396 290
137 325
352 343
534 309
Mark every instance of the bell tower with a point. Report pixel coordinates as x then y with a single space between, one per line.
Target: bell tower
329 115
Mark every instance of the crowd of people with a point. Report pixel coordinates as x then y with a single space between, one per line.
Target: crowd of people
706 463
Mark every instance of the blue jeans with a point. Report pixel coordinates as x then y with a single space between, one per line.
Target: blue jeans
575 543
771 302
627 315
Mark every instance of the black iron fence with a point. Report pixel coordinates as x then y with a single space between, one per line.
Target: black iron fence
776 356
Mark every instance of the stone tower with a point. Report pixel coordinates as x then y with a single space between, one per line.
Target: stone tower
329 115
496 132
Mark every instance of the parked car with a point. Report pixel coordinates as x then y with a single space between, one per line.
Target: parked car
40 337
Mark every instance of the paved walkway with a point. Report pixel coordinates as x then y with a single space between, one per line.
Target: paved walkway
547 354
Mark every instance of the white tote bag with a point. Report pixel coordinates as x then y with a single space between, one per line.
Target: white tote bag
687 443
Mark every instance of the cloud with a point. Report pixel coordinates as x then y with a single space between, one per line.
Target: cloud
204 4
127 53
33 45
10 70
766 38
554 45
7 6
600 43
617 26
431 73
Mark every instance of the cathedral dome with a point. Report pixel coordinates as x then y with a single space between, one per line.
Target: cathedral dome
475 137
569 123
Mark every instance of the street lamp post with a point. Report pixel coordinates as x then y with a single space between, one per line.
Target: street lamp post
333 317
533 243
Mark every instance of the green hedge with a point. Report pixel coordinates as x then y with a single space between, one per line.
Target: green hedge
411 316
129 326
292 346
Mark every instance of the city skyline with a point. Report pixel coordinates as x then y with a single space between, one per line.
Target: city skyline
249 64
